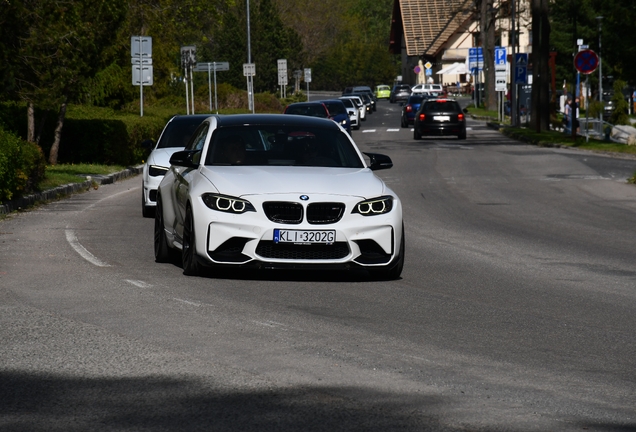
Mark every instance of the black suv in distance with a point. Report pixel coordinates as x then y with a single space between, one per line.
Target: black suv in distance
439 117
400 93
362 90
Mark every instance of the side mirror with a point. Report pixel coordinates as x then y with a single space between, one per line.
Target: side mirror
465 110
379 161
184 158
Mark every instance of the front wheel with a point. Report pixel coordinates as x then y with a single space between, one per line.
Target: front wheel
162 250
189 253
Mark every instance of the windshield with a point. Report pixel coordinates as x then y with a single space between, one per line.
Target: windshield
312 110
178 132
278 145
336 108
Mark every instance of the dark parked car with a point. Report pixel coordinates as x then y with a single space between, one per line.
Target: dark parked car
311 109
439 117
338 113
321 109
410 108
400 93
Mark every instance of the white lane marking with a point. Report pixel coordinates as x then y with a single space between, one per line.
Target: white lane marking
269 324
188 302
393 130
71 238
112 196
138 283
368 130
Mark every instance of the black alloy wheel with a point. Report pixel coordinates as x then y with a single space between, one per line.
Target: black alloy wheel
162 250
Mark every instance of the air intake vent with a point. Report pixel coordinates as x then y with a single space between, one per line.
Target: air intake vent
269 249
325 213
283 212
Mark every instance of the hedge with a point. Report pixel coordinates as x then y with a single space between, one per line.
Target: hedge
22 166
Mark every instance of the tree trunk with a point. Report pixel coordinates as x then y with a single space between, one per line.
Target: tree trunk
58 135
487 26
30 122
540 110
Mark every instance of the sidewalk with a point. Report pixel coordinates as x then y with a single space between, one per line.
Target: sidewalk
65 190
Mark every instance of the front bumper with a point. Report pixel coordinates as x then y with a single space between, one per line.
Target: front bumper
247 239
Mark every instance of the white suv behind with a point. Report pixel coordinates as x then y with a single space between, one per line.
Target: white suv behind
432 89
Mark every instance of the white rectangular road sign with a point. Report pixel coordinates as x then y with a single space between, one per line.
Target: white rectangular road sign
249 69
142 60
144 72
308 75
212 66
143 47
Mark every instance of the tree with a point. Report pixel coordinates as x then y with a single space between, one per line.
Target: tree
59 48
487 21
540 119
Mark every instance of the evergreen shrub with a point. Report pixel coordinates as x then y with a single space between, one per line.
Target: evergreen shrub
22 166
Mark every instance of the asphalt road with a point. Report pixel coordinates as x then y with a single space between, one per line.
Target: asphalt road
516 310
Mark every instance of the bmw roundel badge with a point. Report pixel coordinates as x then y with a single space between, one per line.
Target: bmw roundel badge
304 197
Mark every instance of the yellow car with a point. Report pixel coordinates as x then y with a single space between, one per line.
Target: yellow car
382 91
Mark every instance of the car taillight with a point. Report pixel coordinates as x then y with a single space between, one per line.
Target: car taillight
460 117
422 117
409 108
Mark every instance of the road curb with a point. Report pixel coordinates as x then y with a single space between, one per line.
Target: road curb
66 190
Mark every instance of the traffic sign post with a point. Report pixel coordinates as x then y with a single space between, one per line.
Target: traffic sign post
501 81
188 61
476 65
307 73
282 77
586 61
141 60
209 68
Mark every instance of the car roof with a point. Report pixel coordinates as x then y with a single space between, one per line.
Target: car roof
273 119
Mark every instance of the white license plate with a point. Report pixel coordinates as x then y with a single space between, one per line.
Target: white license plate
441 118
304 236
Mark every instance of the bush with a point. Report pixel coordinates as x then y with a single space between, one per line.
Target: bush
22 166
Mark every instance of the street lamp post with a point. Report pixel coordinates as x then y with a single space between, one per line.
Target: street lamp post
600 66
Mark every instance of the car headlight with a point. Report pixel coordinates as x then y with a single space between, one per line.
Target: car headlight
343 122
157 171
227 204
374 206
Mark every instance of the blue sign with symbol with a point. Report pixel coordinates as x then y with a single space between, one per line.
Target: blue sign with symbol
500 56
475 59
521 68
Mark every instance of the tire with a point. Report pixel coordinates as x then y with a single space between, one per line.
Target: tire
162 250
146 211
462 136
416 134
189 252
404 124
394 269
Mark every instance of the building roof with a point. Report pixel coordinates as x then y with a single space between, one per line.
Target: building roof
426 25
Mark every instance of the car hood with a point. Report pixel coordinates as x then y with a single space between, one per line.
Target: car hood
161 157
255 180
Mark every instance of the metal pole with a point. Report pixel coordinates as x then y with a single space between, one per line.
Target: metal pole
216 106
192 88
185 80
141 82
210 84
587 107
513 86
250 83
600 66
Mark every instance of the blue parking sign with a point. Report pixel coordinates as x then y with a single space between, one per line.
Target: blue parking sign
521 68
500 56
